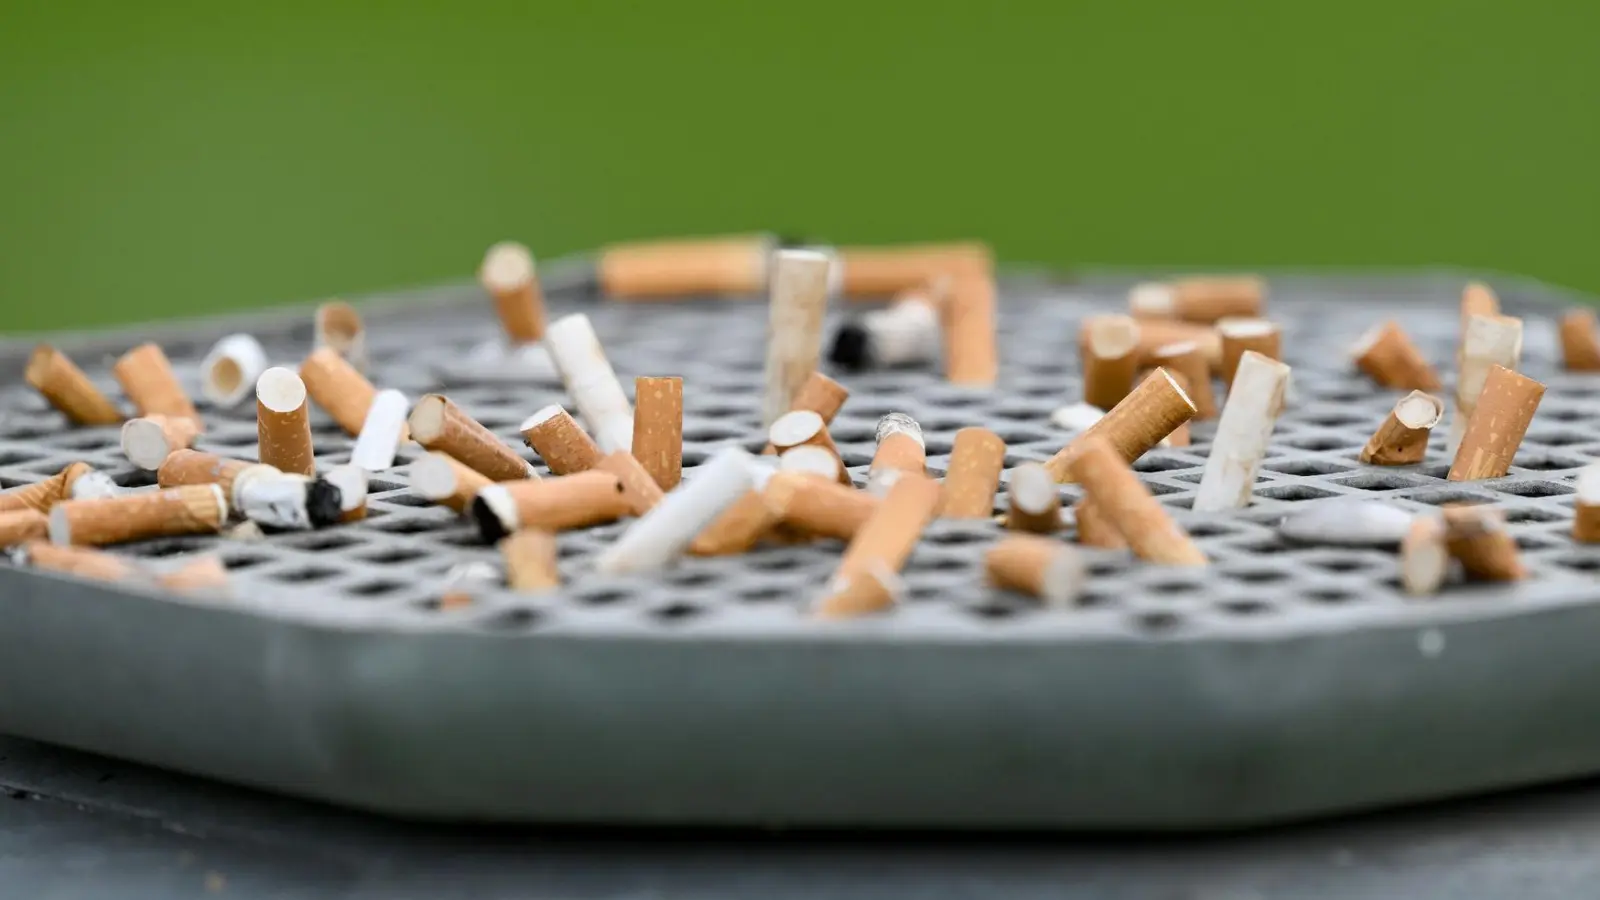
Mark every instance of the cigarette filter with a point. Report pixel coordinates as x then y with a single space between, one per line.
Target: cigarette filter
803 428
821 395
381 433
560 441
53 374
1499 420
639 489
818 508
1036 566
658 428
338 327
438 424
1094 529
20 526
283 422
197 509
1402 439
1108 346
1241 336
1387 355
659 537
1034 503
508 274
1127 504
1187 365
82 562
1147 415
799 298
743 524
1486 342
439 478
1254 404
148 441
530 559
201 574
870 272
1199 299
971 354
230 369
1580 342
1424 558
1586 513
1477 537
900 449
343 393
875 589
590 381
147 378
351 482
906 333
554 504
976 458
720 266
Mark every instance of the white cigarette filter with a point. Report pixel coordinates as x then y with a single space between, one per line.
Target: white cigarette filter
1243 430
351 482
814 460
230 369
591 382
664 533
799 298
1586 512
338 326
284 501
905 334
1486 342
148 441
380 435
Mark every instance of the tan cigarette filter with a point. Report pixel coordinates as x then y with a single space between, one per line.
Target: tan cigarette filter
639 489
352 482
875 590
1424 558
738 529
658 428
1204 299
1580 342
1477 537
818 508
561 442
900 449
803 428
1157 333
1118 494
189 467
564 503
1033 502
1180 436
438 424
1478 299
799 299
1187 365
81 562
1240 336
1495 431
338 327
1036 566
22 525
821 395
194 509
976 458
1108 346
41 495
1151 412
530 558
1486 341
721 266
1387 355
334 385
1586 513
53 374
148 441
1095 530
439 478
147 378
893 529
283 423
509 277
206 573
1402 439
971 352
871 272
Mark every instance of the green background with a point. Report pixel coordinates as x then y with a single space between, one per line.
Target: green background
158 159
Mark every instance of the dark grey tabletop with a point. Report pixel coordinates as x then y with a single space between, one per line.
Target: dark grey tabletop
73 825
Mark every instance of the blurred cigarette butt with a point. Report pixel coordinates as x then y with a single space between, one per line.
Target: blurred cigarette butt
22 525
454 599
1240 336
591 382
1036 566
910 331
799 298
818 508
740 527
1387 355
560 441
639 489
1243 432
382 431
509 276
1478 299
734 265
1095 530
283 422
1486 342
872 590
1154 408
148 441
343 393
1108 345
337 326
1580 342
662 535
1477 536
352 482
1402 439
438 424
1424 558
803 428
821 395
82 562
206 573
1127 504
971 354
1204 299
147 378
976 458
530 560
41 495
190 467
1034 503
893 529
1187 365
53 374
194 509
658 428
439 478
1586 513
1157 333
872 272
1499 420
554 504
813 460
900 449
229 370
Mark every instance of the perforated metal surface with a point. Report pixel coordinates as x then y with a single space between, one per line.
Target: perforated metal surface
384 576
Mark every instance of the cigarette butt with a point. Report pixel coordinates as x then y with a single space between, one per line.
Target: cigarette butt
82 562
591 382
455 599
22 525
1402 439
813 460
53 374
560 441
1477 537
742 525
195 509
1243 431
799 298
381 433
1387 355
206 573
438 424
147 378
352 482
510 277
530 559
342 392
976 458
873 590
1127 504
337 326
283 501
1586 513
1478 299
148 441
1180 436
1187 365
900 449
639 489
230 369
821 395
41 495
1154 408
1034 503
1499 420
1486 342
437 477
907 333
870 272
81 481
661 535
1038 567
554 504
283 422
818 508
1108 346
658 428
1424 558
1095 530
892 531
1241 336
971 355
1157 333
719 266
190 467
1199 299
803 428
1580 342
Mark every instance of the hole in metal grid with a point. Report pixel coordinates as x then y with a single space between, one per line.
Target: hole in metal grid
692 458
1564 414
1516 514
710 434
411 500
519 618
994 610
1157 621
1334 420
1447 496
468 539
956 538
413 526
1258 576
1317 442
939 563
679 611
81 442
1093 600
1534 489
375 588
1580 563
1245 607
1434 470
1531 542
1375 481
306 575
1329 596
1179 502
374 486
1545 462
1341 564
1209 529
1158 463
1158 489
691 579
1100 568
133 478
165 547
7 482
766 594
325 541
1558 438
394 555
776 562
13 457
1173 587
1197 477
1294 492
